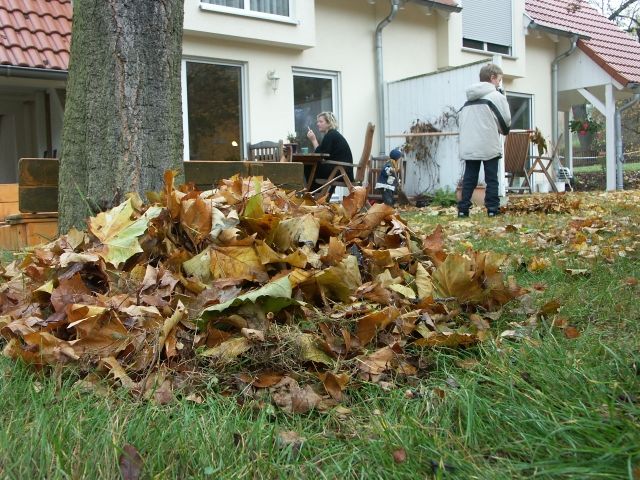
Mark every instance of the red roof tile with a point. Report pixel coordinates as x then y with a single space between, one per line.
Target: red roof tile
617 52
35 33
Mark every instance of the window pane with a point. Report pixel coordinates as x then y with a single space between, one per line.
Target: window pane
310 97
215 106
226 3
468 43
276 7
520 108
492 47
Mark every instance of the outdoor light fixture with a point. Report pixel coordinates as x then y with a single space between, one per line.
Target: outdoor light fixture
275 79
371 2
426 10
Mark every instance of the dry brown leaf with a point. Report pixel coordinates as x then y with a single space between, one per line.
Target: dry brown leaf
399 455
455 278
571 332
228 350
118 372
252 335
334 384
266 379
374 321
288 395
130 462
237 262
290 439
447 339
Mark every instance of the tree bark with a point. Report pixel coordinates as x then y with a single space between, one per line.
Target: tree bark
123 113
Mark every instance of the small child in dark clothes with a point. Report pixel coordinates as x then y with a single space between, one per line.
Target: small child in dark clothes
387 180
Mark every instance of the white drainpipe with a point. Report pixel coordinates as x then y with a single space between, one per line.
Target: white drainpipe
619 151
395 5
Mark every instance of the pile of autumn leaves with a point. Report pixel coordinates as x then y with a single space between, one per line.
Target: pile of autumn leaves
253 283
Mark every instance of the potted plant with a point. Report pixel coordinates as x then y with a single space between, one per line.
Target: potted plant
586 128
292 142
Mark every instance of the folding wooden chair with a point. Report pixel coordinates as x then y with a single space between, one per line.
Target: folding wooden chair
516 154
538 166
266 151
365 158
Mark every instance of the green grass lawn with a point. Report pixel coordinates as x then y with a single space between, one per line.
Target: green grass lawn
627 167
544 406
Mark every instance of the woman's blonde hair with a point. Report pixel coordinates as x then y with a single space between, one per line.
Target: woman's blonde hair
330 118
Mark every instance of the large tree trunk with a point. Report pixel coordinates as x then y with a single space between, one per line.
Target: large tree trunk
123 114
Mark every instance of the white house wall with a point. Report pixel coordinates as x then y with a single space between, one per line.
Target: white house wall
344 43
299 32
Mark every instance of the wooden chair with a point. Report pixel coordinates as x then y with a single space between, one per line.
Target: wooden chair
516 153
365 158
374 171
266 151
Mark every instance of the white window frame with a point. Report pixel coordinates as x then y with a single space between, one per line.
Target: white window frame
246 11
336 91
529 97
244 91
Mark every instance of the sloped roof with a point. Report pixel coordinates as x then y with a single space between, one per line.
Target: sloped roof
35 33
617 52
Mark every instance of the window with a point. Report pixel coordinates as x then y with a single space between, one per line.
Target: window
487 25
520 108
214 111
272 7
313 92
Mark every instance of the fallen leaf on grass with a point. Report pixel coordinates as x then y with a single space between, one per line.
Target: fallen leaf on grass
538 264
400 455
571 332
288 395
334 384
290 439
130 463
577 272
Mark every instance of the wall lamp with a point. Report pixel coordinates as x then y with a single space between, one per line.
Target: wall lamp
275 79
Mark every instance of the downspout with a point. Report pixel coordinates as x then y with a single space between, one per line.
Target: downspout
395 4
554 91
619 151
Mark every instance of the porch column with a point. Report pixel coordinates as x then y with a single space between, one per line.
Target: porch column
568 144
610 106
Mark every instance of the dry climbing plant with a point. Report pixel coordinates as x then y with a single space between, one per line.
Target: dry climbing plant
424 148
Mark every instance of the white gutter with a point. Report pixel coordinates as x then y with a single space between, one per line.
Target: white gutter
395 5
27 72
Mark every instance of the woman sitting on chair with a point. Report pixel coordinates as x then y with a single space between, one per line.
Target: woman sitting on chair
332 143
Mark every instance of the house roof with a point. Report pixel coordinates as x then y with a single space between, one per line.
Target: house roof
35 33
615 51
